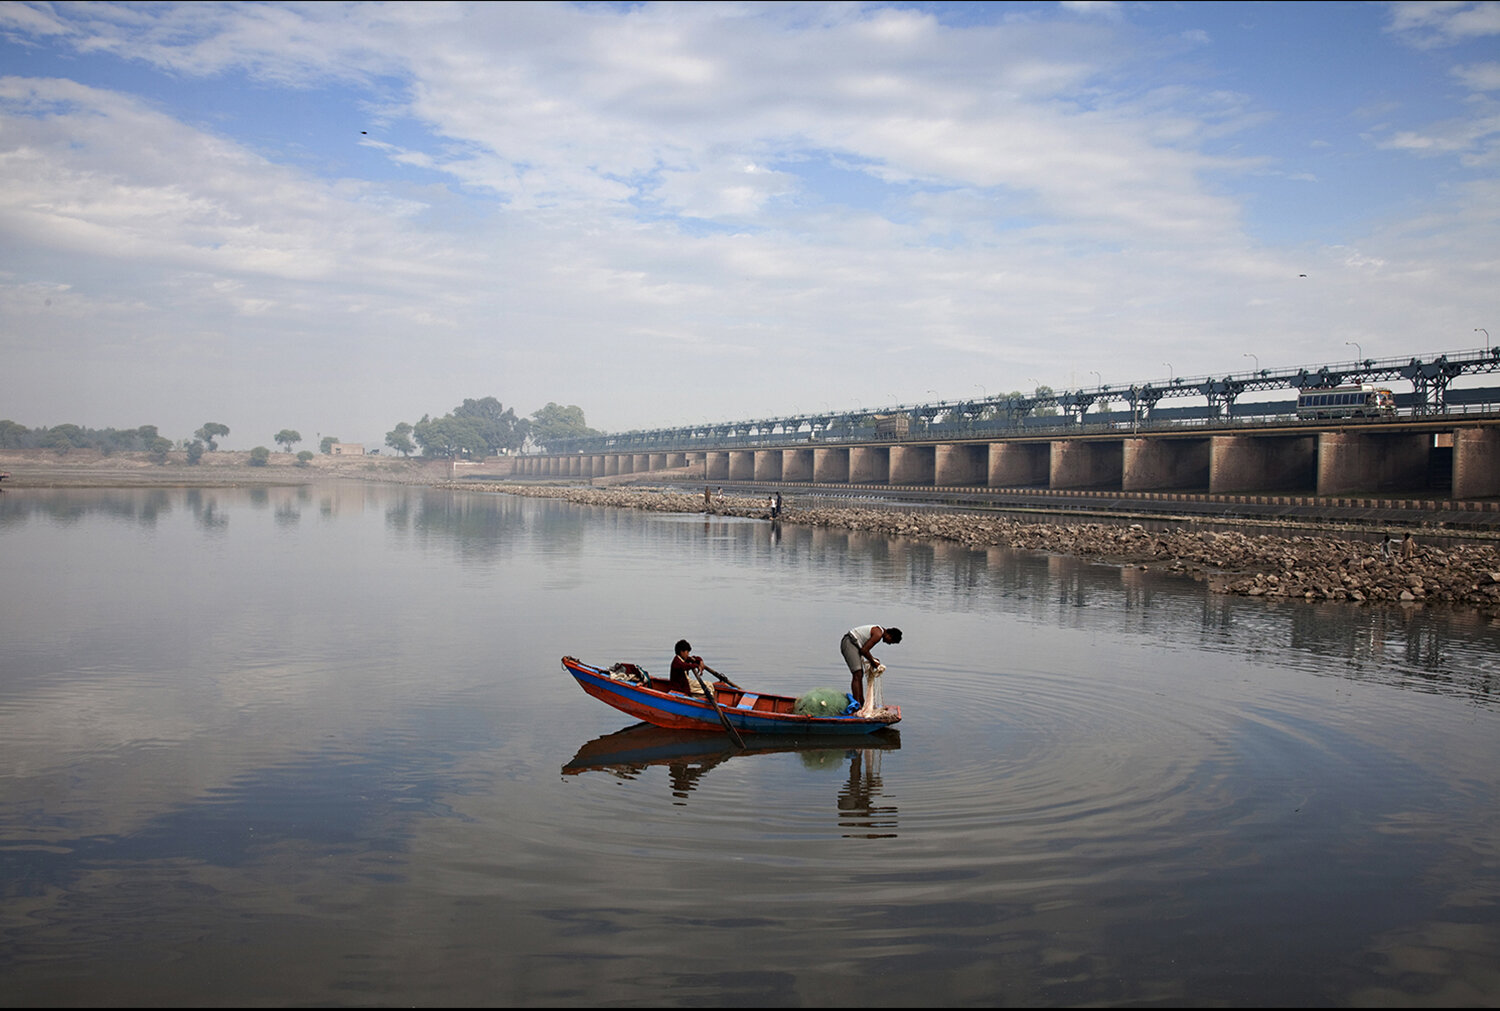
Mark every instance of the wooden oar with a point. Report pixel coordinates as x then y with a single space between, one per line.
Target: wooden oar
721 677
713 701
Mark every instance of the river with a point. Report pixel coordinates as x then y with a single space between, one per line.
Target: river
314 746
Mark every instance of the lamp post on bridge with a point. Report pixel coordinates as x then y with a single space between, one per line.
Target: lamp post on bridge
1254 357
1480 329
1357 350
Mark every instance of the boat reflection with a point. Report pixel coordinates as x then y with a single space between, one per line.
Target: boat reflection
688 755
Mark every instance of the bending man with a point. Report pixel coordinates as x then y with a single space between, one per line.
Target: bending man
856 646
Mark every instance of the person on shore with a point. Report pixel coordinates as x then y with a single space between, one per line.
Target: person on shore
855 648
1385 548
683 662
708 498
1408 547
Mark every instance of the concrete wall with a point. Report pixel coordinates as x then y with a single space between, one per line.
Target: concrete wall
831 465
717 466
965 464
869 465
913 465
1020 464
1262 463
1164 464
1080 464
1374 462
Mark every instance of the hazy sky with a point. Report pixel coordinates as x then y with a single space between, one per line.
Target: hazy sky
336 217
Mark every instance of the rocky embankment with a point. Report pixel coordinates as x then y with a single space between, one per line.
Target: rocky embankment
1309 567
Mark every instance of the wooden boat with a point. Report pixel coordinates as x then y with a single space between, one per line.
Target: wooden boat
630 690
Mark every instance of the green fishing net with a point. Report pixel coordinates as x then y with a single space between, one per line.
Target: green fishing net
822 702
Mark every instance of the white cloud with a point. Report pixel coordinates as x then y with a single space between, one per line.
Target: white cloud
1435 23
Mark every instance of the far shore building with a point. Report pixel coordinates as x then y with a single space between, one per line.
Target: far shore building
347 449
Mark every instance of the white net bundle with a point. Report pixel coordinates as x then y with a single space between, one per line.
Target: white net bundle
874 696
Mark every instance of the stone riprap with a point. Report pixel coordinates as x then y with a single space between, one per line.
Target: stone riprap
1308 567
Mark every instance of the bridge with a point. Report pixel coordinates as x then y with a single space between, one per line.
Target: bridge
1444 440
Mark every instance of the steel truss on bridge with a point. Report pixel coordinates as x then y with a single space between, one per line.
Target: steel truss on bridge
1429 394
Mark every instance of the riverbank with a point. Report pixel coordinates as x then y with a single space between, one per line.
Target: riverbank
89 468
1317 566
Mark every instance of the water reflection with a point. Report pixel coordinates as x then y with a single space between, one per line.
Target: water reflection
688 756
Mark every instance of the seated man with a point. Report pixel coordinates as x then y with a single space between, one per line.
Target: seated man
683 662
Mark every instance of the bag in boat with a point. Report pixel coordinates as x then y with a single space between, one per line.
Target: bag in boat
629 672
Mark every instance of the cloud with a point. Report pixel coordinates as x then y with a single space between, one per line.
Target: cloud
1479 76
1429 25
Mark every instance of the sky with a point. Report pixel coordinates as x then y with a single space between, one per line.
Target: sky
336 217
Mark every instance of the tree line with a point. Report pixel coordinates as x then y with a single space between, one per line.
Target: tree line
473 429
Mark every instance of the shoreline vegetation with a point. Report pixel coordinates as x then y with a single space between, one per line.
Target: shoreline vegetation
1310 567
1320 565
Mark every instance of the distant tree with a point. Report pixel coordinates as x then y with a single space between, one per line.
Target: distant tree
498 426
194 452
12 434
210 432
158 448
65 437
399 439
304 458
450 436
555 422
287 437
259 456
326 446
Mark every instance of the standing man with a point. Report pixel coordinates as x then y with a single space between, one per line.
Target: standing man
856 646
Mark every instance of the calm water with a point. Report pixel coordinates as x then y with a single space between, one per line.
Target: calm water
315 746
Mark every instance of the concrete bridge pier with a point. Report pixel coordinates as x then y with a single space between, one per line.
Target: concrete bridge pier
716 466
1261 463
656 461
1164 464
912 465
1085 464
1372 462
1020 464
742 465
1476 462
674 461
869 465
766 465
831 465
962 464
796 465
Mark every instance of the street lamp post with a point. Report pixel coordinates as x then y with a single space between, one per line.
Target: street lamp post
1480 329
1357 349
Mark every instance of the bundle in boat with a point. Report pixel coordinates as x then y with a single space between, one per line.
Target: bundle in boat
822 702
